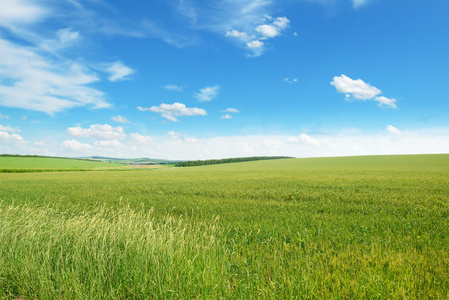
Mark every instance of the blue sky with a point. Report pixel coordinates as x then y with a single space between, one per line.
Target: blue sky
183 79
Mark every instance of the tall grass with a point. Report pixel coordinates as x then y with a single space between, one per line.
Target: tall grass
46 253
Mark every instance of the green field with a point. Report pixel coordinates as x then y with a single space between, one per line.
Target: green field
373 227
40 164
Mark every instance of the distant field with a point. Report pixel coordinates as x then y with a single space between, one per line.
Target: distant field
374 227
49 163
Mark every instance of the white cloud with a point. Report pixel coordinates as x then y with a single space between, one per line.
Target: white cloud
173 87
174 135
281 22
76 146
384 101
20 12
8 129
64 38
5 136
118 71
120 119
339 143
190 140
237 34
360 90
392 129
97 131
231 110
226 117
302 139
208 93
255 44
355 88
42 144
290 81
250 32
4 116
171 111
108 144
138 139
41 84
267 31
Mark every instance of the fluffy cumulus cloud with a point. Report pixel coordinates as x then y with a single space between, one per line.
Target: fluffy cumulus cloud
7 134
255 44
118 71
208 93
360 90
226 117
172 111
120 119
97 131
254 39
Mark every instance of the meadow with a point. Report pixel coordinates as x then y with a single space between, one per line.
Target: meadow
373 227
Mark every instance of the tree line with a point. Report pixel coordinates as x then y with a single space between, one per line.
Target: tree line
192 163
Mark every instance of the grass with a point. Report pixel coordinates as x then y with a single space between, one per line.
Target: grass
331 228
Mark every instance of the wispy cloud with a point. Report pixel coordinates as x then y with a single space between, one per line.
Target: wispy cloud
173 87
20 12
4 116
208 93
360 90
172 111
294 80
118 71
226 117
231 110
359 3
97 131
120 119
43 85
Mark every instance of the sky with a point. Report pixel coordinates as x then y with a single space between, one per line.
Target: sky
191 79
